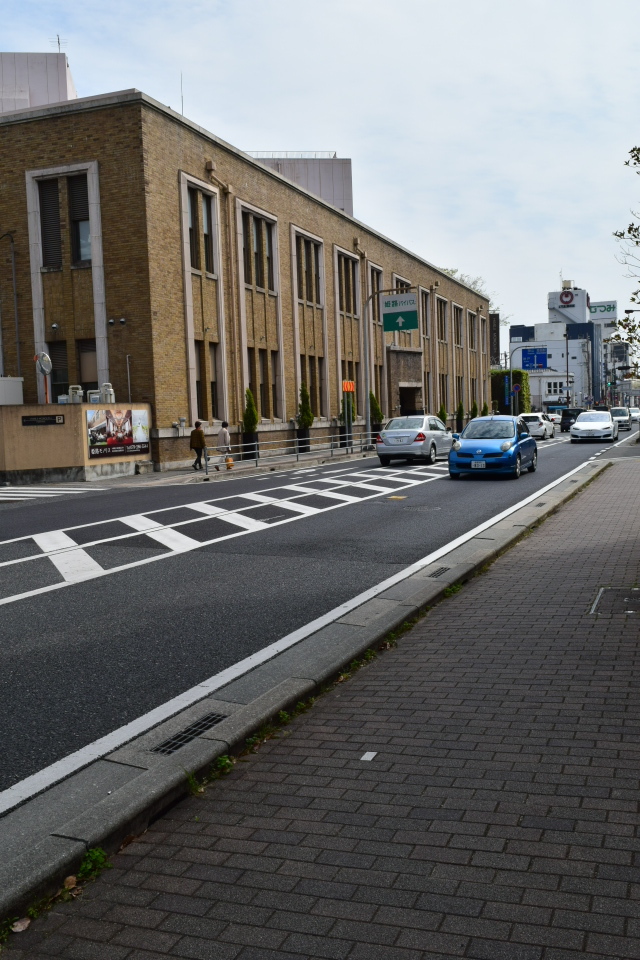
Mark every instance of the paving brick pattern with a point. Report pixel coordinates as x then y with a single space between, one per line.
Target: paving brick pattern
497 821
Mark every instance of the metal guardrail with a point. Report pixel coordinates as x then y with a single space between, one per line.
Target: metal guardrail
263 452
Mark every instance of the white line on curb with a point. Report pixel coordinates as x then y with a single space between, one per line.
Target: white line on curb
40 781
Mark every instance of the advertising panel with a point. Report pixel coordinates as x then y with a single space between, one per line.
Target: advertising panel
604 310
113 432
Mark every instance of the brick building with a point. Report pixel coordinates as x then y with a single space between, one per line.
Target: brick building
155 256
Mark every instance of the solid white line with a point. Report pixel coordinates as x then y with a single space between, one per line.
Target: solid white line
74 565
46 777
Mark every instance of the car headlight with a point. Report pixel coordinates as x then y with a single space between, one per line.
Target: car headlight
506 445
456 445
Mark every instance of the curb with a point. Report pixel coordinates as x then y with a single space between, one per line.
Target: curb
120 794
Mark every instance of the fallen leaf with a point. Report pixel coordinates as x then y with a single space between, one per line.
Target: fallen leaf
20 925
70 883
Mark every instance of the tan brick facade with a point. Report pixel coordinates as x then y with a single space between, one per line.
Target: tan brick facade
227 275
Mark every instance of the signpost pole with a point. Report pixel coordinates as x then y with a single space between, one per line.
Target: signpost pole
367 377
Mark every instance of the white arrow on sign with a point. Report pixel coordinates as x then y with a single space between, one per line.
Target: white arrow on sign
400 321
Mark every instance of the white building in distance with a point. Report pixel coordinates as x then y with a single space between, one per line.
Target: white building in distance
34 80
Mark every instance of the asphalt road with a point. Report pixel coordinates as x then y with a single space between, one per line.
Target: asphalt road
80 659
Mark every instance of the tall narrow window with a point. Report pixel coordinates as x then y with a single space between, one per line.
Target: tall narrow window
457 326
199 398
483 334
258 262
459 390
348 284
316 264
270 267
376 286
472 331
251 361
442 319
87 364
323 409
347 287
354 287
300 265
246 246
208 233
264 383
308 270
424 303
303 369
313 386
402 286
50 223
444 399
274 383
60 369
194 246
79 219
213 364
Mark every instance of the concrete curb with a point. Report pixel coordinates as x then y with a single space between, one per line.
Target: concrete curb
45 838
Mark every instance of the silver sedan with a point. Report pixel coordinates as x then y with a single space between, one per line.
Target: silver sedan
417 437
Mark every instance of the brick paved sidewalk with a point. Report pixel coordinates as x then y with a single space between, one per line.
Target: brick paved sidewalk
498 819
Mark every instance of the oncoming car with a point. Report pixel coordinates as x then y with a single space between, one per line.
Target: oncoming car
418 437
540 425
498 444
622 416
635 414
594 425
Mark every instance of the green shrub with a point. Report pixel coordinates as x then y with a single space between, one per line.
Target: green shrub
474 410
375 411
442 414
305 416
250 418
485 409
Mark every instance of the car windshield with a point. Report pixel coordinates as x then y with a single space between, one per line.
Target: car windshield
570 413
619 412
488 430
405 423
592 415
634 409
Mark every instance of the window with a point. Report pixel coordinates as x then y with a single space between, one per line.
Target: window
348 284
213 363
459 390
87 364
483 333
79 219
474 390
402 286
313 386
50 223
323 410
208 233
59 368
457 326
199 398
471 325
444 399
442 319
274 383
263 383
376 287
258 262
424 304
251 360
270 267
308 270
246 251
194 246
316 264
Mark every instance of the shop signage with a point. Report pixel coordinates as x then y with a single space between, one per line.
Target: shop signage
399 311
43 420
604 310
114 432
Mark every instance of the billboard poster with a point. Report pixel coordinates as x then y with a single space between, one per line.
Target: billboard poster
604 310
115 432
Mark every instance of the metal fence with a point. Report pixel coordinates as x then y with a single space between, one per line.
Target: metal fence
264 452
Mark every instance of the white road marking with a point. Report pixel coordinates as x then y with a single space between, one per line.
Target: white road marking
208 508
40 781
8 494
75 565
247 523
369 755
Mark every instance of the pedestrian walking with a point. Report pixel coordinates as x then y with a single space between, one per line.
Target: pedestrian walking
197 444
224 442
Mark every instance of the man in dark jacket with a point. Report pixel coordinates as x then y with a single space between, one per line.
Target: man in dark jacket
197 444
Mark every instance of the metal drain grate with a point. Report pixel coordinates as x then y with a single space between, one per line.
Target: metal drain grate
190 733
542 503
438 572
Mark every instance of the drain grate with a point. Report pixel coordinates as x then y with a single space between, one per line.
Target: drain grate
617 600
542 503
439 571
167 747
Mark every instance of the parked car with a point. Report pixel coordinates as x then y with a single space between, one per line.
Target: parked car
498 444
569 416
419 437
555 418
540 426
622 416
635 414
594 425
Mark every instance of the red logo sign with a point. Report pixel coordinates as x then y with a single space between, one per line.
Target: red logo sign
566 297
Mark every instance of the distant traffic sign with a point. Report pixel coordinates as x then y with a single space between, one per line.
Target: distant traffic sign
348 386
517 388
399 311
533 359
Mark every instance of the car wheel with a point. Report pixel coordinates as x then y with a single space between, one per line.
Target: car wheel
517 470
454 476
534 462
431 458
384 461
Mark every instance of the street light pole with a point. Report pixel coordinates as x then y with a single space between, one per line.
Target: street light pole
9 234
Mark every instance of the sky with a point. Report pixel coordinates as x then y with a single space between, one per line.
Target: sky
485 135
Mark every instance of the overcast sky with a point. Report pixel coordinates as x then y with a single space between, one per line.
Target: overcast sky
488 135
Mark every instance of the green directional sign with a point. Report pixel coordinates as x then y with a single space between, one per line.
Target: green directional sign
399 311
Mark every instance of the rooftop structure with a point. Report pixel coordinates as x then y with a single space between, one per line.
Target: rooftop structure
33 80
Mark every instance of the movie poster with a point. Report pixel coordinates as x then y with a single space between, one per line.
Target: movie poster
117 433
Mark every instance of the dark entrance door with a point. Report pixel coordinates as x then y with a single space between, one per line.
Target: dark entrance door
410 401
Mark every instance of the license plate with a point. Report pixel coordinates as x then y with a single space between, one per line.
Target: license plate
478 465
399 439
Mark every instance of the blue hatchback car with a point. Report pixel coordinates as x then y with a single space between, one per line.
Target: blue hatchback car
497 444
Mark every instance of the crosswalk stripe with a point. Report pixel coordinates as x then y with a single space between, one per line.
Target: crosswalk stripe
75 565
168 537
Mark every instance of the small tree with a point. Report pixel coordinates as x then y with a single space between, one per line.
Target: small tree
485 409
305 416
374 409
460 417
474 410
442 414
250 417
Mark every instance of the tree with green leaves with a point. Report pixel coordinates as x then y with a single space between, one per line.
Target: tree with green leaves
305 416
460 416
250 417
485 409
375 411
442 414
474 410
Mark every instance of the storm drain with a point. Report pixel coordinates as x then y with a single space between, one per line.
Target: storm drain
542 503
438 572
617 600
190 733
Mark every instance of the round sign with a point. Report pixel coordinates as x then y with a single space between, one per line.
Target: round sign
566 297
517 387
44 363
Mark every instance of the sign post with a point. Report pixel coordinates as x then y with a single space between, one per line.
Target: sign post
348 390
516 394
